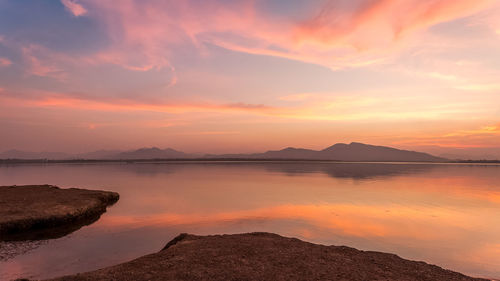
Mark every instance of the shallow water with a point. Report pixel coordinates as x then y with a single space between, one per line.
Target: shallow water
447 215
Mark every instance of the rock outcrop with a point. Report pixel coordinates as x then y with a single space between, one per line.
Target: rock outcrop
34 212
265 256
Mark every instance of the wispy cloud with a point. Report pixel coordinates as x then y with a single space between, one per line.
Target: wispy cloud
334 37
73 7
42 63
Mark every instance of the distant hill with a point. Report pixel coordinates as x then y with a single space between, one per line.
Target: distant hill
152 153
290 153
350 152
339 152
364 152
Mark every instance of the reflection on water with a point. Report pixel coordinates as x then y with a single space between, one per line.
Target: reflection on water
443 214
350 170
15 248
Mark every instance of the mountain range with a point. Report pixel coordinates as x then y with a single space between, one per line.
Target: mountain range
339 152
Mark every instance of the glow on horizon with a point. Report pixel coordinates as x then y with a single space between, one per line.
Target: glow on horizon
249 75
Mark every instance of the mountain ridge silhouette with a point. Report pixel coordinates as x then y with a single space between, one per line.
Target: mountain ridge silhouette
353 151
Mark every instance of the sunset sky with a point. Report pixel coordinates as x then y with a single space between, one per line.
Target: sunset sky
246 76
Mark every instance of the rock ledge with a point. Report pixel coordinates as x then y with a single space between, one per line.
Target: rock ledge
32 212
266 256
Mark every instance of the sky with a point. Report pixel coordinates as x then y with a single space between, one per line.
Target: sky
224 76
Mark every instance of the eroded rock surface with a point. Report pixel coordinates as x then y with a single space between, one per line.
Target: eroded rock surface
34 212
266 256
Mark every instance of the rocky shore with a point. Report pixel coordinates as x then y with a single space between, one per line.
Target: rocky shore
34 212
266 256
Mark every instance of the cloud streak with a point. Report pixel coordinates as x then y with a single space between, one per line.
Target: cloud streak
123 105
317 108
484 136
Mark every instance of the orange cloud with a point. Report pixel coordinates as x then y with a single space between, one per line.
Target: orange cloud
485 130
485 136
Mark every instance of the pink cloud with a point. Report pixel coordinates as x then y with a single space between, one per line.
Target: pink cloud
381 21
4 62
149 32
75 8
426 13
147 35
43 63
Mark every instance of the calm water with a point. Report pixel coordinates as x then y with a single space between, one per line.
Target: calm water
447 215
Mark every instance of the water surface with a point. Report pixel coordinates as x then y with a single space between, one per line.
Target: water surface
447 215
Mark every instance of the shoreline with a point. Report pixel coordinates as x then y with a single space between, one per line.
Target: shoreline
232 160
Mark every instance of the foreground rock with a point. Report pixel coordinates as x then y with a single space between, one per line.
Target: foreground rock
43 211
265 256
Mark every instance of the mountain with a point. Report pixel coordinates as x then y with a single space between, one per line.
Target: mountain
363 152
339 152
350 152
290 153
152 153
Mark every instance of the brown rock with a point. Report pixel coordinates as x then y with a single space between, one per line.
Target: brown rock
43 211
265 256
